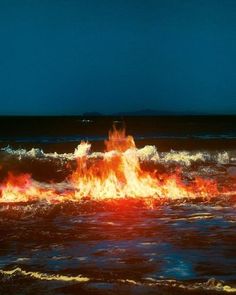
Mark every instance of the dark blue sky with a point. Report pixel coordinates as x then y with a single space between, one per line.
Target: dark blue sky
70 57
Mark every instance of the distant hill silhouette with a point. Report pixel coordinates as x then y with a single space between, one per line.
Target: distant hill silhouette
92 114
151 112
147 112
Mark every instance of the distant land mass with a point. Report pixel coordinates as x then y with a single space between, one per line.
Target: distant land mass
92 114
144 112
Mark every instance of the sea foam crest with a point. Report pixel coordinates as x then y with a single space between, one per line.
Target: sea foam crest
183 157
148 153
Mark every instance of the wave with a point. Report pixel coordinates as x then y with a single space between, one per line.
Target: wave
119 172
148 153
210 285
228 135
44 276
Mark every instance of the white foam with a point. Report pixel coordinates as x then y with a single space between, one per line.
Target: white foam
36 153
182 157
148 153
223 158
83 149
45 276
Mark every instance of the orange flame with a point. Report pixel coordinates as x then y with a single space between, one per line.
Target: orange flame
116 175
21 188
118 141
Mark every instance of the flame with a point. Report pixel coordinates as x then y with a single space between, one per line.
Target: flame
118 141
119 175
21 188
115 175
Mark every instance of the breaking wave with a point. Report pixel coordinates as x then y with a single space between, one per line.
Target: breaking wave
122 171
128 220
148 153
210 285
44 276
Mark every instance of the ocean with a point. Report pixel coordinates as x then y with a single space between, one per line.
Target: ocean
147 208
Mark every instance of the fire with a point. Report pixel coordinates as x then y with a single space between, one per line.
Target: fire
21 188
118 141
119 175
115 174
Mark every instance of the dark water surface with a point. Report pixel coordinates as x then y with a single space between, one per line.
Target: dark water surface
120 247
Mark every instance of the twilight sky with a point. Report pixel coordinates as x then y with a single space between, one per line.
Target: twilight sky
65 57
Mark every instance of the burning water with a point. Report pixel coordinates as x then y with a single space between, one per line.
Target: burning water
126 219
117 173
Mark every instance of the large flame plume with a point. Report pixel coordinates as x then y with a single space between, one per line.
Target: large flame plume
115 174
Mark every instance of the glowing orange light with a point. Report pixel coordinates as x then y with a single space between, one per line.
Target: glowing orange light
117 174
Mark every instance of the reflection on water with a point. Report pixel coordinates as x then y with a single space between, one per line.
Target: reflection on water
120 246
76 248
